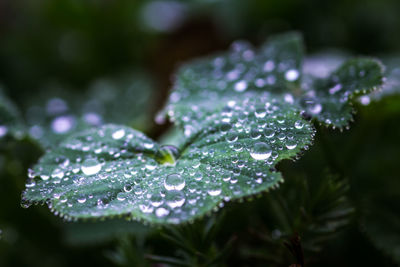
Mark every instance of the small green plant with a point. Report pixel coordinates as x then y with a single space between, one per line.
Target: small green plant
240 113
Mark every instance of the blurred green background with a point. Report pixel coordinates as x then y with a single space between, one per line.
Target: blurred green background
74 62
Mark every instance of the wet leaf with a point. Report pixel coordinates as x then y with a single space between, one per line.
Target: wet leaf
241 114
328 100
391 85
115 171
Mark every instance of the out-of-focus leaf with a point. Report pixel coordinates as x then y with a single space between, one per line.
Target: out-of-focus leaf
56 112
86 233
11 122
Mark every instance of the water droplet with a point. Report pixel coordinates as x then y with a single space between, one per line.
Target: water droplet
31 183
299 124
291 144
82 199
118 134
269 133
146 208
175 199
91 166
255 133
261 151
161 212
57 173
3 130
196 163
231 136
214 192
198 176
311 105
121 196
62 124
269 66
174 182
240 86
335 89
225 127
260 112
291 75
156 200
148 145
151 165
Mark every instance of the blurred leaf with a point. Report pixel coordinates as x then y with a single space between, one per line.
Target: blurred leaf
58 111
391 85
11 123
87 233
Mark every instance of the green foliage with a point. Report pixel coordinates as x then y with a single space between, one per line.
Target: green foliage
242 113
11 123
56 111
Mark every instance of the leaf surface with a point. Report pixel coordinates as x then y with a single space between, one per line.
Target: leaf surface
241 113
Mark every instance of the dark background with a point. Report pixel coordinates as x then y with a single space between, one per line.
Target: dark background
73 43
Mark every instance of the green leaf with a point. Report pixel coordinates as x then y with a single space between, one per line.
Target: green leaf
11 123
241 115
56 111
391 85
328 99
90 233
115 171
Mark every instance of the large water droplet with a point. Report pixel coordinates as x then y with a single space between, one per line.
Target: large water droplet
174 182
91 166
118 134
261 151
298 124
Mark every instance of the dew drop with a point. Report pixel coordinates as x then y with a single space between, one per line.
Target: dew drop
118 134
261 151
291 145
174 182
231 136
291 75
214 192
175 199
299 124
128 188
156 200
240 86
161 212
91 166
82 199
57 173
255 134
121 196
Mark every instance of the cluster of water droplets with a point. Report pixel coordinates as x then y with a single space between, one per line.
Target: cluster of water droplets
240 71
118 168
